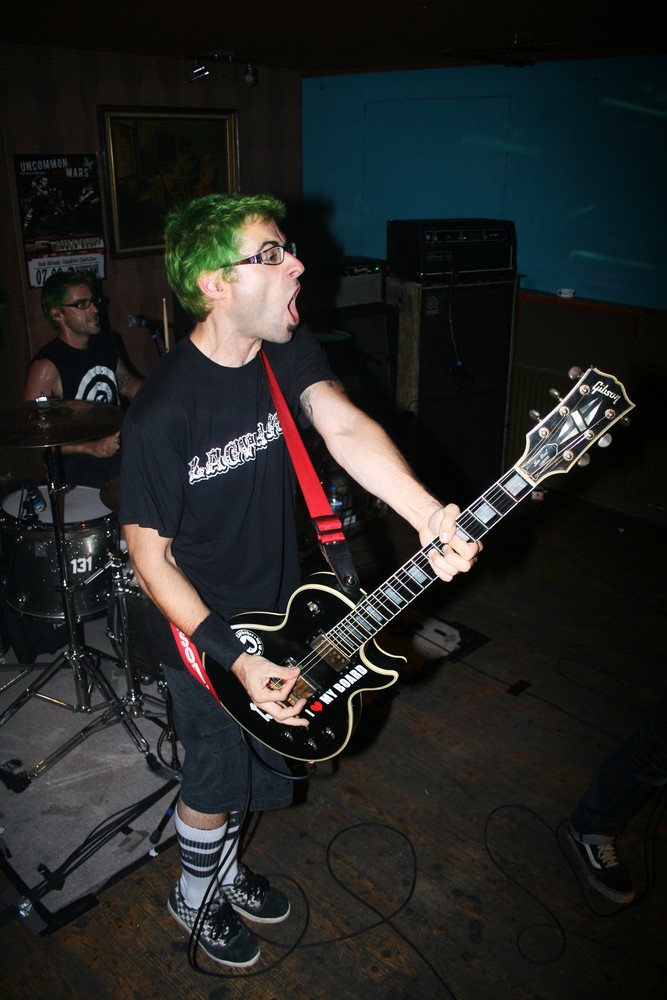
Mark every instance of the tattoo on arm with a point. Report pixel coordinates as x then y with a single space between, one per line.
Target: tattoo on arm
122 378
306 402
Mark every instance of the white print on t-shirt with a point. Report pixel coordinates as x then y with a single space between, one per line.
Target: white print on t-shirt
98 385
237 452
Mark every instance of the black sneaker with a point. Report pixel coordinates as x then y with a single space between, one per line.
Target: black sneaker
603 869
223 937
254 897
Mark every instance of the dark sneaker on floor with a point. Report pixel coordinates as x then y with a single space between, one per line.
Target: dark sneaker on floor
604 869
254 897
223 937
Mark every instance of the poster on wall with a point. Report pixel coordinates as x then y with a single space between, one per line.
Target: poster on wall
61 214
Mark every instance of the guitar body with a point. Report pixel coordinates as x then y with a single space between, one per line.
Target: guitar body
331 680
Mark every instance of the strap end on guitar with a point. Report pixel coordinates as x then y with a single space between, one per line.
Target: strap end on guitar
337 554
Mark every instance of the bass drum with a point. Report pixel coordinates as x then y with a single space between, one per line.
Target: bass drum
30 559
143 660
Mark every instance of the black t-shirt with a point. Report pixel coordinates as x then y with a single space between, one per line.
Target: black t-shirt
205 463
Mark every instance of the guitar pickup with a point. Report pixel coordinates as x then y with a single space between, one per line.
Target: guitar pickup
325 649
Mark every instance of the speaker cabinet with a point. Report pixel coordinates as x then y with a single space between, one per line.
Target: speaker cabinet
460 383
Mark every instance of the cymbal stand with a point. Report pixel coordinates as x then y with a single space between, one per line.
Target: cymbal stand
83 662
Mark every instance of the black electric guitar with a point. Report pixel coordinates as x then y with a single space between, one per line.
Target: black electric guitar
332 640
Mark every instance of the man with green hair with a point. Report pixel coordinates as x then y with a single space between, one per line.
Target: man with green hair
207 502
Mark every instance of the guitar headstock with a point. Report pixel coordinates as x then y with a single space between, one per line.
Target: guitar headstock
579 420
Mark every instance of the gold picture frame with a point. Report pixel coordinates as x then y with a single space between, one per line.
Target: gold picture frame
157 157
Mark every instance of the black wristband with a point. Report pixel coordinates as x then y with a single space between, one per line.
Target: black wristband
215 637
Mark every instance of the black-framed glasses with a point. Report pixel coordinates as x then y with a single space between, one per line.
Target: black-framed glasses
94 300
271 255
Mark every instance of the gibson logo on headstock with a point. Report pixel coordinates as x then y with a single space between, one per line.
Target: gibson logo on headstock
604 390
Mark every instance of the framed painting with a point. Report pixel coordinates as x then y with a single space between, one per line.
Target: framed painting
155 158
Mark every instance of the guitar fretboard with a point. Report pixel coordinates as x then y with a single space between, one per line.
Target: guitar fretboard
380 607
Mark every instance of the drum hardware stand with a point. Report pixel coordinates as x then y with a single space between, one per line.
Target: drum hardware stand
84 663
135 697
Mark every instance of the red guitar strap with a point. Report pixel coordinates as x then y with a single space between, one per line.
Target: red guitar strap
191 658
328 527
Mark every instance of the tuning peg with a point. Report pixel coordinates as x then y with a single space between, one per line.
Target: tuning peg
604 441
574 373
626 421
535 415
584 460
556 395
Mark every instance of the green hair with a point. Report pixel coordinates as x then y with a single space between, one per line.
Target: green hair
205 235
56 288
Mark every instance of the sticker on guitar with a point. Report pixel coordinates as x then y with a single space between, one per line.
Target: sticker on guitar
332 639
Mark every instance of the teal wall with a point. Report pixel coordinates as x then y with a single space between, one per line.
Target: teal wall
575 153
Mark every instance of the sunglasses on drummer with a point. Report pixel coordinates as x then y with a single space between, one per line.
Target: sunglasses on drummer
94 300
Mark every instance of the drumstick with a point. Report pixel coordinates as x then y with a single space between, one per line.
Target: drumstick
165 322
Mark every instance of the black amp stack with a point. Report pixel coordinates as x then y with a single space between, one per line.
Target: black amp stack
462 275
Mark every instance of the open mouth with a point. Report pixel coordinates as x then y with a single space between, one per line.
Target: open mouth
292 309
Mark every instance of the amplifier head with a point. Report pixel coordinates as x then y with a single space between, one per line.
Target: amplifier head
435 248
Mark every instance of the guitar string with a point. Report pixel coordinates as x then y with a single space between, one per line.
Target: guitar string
400 582
495 498
403 580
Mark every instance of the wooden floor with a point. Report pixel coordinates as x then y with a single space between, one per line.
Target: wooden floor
429 860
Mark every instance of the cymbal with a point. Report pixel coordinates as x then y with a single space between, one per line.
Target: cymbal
110 493
57 421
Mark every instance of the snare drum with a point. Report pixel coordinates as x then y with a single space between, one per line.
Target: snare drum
30 559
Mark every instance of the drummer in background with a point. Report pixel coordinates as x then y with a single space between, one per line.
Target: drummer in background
81 362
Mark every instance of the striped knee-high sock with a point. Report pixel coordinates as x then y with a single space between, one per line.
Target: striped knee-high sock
200 853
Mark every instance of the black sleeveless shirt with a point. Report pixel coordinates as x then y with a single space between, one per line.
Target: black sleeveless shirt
90 375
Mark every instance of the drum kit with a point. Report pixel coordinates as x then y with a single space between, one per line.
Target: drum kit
64 563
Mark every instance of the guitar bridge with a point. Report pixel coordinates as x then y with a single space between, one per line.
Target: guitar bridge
301 689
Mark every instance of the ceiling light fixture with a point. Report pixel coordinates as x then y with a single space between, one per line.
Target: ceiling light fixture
198 72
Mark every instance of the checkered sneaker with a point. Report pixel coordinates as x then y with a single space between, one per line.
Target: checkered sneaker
254 897
603 869
221 934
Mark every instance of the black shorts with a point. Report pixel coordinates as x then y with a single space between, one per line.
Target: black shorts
219 772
